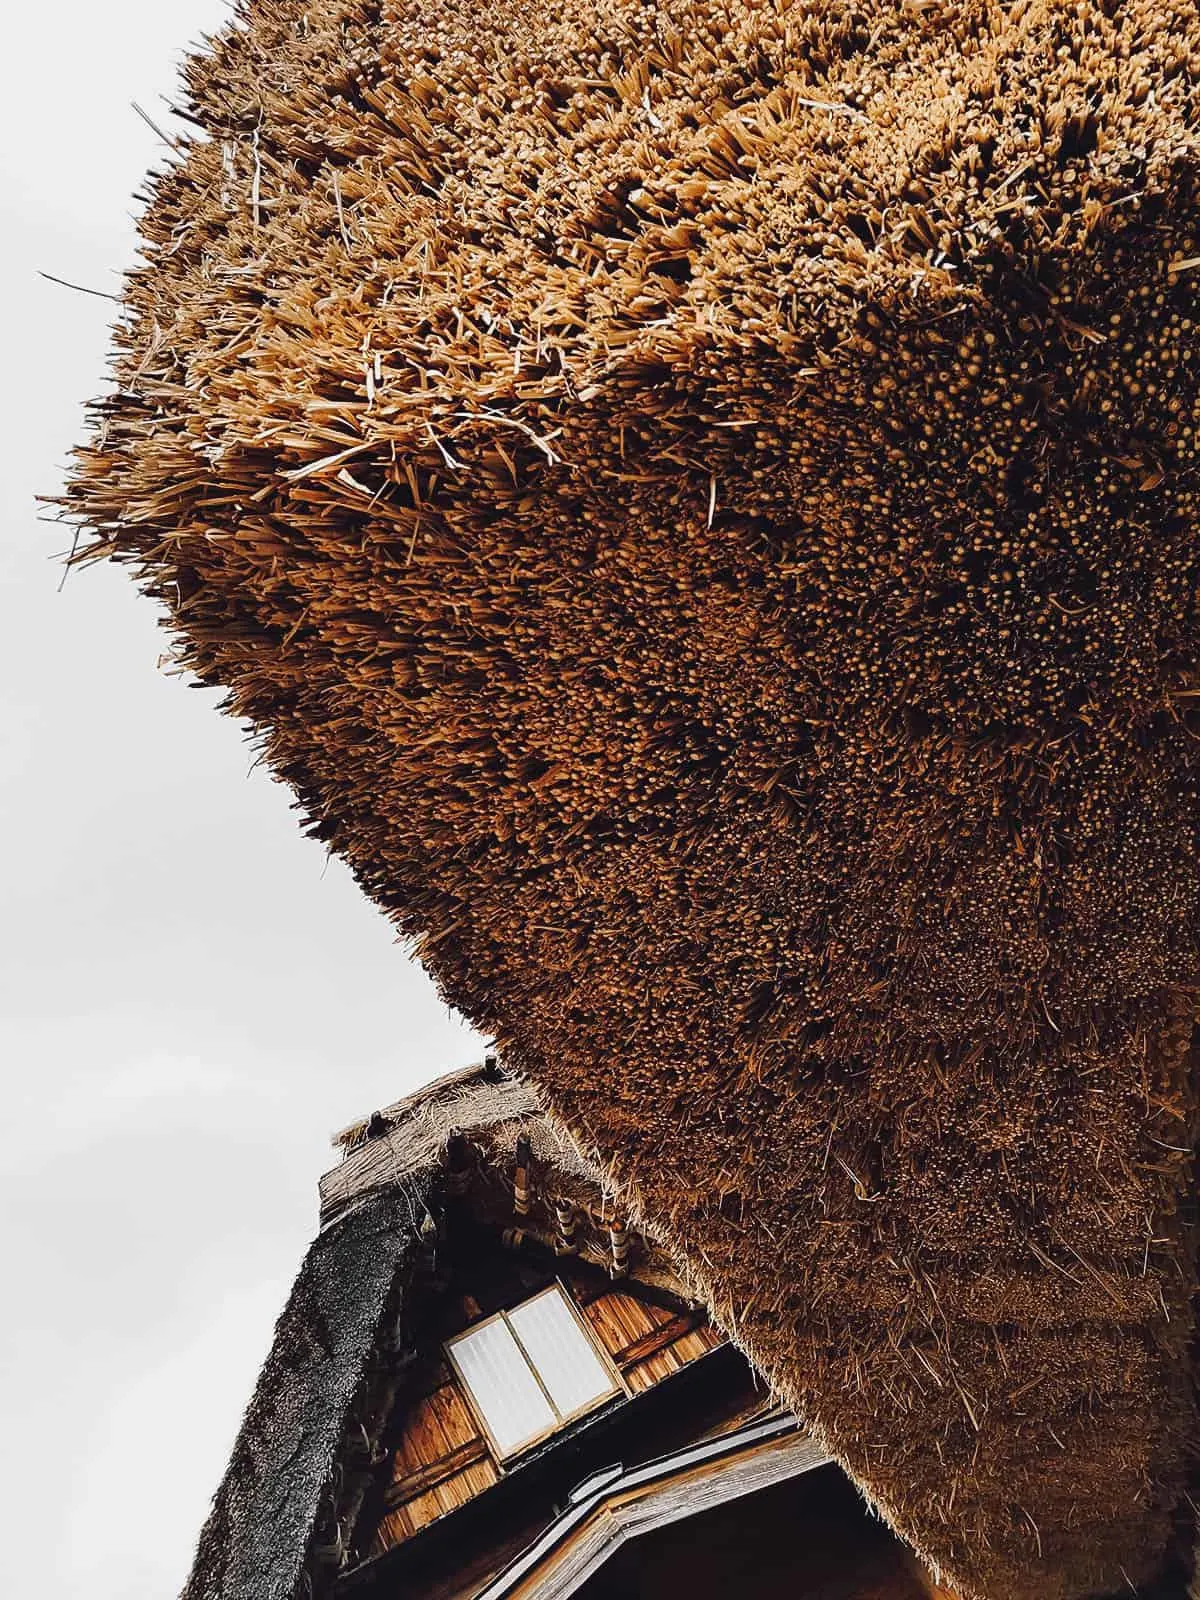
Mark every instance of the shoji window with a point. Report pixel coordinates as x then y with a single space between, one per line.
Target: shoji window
530 1370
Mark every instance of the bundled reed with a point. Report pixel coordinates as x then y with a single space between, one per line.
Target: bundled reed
699 501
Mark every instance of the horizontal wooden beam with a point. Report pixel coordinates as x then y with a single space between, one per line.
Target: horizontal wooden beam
649 1344
420 1482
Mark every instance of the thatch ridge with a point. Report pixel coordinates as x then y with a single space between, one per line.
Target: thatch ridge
410 1136
700 503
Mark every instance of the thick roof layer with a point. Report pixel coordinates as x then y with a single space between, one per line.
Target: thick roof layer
257 1540
700 502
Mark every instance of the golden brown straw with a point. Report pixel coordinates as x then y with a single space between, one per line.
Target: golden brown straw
699 501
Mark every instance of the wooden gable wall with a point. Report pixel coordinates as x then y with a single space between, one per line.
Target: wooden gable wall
440 1459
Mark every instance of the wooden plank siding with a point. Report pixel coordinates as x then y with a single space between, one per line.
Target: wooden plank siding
672 1358
441 1460
648 1342
427 1478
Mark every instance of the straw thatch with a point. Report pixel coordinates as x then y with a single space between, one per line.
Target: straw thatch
258 1541
409 1138
699 502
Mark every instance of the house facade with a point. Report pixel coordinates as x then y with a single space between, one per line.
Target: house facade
491 1384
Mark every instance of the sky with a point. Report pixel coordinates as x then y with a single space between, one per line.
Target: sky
192 998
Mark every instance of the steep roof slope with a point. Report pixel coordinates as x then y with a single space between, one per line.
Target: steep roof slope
700 502
256 1542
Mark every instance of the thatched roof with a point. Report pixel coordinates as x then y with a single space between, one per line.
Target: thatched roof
347 1317
699 501
257 1540
408 1139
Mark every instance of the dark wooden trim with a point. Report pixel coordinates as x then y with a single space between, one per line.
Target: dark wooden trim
400 1492
648 1293
596 1279
649 1344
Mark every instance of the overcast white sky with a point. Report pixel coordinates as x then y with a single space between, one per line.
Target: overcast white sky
189 1002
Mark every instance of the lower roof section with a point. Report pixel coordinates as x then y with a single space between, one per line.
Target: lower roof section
615 1507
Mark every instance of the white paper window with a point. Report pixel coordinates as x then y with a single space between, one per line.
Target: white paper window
511 1400
530 1370
561 1353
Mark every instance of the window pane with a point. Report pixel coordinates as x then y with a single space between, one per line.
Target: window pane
502 1386
566 1362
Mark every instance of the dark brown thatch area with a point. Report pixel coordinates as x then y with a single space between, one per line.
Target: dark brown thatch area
700 502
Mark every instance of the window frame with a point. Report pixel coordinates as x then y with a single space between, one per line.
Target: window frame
619 1387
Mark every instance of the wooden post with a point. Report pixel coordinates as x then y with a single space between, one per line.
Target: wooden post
565 1242
618 1238
521 1178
